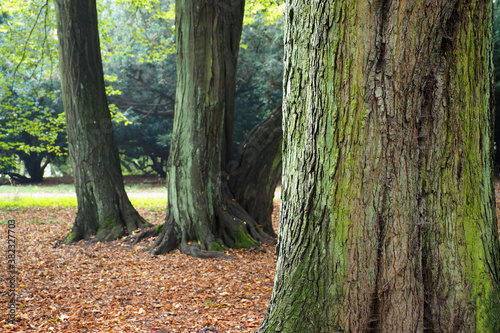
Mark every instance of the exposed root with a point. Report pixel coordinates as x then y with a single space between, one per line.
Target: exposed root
236 214
231 227
168 240
195 251
109 234
105 232
145 234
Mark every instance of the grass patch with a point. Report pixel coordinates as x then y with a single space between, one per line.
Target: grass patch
63 195
11 203
45 201
149 202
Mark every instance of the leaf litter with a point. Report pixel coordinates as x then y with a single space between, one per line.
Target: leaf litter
118 287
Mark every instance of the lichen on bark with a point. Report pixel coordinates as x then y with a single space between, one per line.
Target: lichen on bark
388 219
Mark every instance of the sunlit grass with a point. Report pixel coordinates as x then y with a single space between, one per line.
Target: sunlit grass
41 201
160 201
68 201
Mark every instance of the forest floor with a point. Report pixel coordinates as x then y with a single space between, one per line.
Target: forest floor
117 287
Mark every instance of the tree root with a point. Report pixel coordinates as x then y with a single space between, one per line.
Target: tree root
142 235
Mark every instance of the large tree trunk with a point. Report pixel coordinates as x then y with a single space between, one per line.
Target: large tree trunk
201 215
388 213
104 209
257 170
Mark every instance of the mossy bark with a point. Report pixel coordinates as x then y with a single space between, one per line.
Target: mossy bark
201 211
388 214
257 170
104 209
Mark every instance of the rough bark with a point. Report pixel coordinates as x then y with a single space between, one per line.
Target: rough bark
388 214
104 209
201 215
257 170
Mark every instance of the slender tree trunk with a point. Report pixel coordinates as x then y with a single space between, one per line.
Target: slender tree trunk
104 209
257 170
201 215
388 214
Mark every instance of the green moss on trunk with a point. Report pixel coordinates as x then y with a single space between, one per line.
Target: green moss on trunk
243 240
388 220
200 208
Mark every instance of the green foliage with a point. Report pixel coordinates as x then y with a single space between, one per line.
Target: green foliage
139 56
260 74
31 122
269 10
138 52
135 31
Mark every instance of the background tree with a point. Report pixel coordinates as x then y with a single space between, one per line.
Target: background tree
140 76
104 209
31 126
257 170
388 213
201 214
33 132
260 68
147 83
140 67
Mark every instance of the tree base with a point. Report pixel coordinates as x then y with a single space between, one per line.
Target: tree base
109 230
235 229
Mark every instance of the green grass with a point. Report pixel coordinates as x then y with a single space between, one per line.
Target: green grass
47 201
64 196
149 202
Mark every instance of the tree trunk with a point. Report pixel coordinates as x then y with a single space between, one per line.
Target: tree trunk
388 214
104 209
35 165
257 170
201 215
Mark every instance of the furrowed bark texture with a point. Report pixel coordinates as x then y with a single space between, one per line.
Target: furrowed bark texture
388 220
201 215
104 209
257 170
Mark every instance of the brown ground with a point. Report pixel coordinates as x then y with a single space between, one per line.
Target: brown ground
115 287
